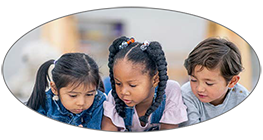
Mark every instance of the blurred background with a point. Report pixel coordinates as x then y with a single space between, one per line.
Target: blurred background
92 32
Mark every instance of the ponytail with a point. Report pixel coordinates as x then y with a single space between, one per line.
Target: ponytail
114 49
155 52
38 96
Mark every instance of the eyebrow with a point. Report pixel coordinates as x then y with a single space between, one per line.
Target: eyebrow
127 81
116 79
80 92
206 79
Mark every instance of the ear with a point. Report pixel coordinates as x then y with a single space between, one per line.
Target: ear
53 88
156 80
233 81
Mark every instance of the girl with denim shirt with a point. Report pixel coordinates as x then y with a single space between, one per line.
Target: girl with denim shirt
76 91
133 104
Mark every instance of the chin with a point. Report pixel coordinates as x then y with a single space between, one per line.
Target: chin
204 101
130 104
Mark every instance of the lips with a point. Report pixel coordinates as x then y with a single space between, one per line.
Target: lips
202 96
127 101
78 110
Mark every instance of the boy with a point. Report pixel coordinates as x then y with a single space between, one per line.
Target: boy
213 67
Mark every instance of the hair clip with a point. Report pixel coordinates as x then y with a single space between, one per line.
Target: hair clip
144 46
125 44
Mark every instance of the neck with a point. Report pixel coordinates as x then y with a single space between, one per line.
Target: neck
220 100
142 107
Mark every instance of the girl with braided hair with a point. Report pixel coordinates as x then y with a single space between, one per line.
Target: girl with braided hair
142 98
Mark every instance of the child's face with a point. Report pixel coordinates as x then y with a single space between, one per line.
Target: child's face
208 85
132 86
77 99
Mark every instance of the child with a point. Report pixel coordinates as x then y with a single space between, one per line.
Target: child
214 67
76 94
132 105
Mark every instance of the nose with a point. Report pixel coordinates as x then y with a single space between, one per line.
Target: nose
125 91
80 101
200 88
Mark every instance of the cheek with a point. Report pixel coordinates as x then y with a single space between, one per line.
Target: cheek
117 89
144 93
67 102
89 101
193 87
216 91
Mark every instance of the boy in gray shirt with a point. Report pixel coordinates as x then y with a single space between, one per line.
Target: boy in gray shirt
213 67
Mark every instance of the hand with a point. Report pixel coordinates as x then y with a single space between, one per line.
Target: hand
80 125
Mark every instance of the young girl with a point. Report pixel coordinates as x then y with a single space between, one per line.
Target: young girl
213 67
76 94
136 69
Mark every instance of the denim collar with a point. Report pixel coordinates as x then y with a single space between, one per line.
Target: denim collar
64 111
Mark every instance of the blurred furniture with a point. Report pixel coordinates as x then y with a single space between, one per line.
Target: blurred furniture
62 33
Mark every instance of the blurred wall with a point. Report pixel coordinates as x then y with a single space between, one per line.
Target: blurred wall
177 32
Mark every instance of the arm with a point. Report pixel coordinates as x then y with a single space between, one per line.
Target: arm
97 115
108 125
192 112
168 126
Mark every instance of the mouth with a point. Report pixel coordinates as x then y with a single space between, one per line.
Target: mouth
78 111
127 101
202 96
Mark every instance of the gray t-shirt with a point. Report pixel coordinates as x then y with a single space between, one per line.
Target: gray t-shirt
198 111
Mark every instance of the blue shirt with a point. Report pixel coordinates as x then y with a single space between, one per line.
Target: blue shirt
90 118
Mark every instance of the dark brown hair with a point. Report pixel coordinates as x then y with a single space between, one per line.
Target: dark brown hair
216 53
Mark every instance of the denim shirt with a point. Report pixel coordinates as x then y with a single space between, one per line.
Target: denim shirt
156 116
90 118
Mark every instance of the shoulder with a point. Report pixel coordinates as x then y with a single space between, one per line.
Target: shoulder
49 103
172 83
186 88
173 91
111 113
49 93
100 97
175 110
188 95
172 86
240 91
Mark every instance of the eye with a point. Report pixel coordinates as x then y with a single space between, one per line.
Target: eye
72 96
90 94
133 85
209 84
192 79
117 83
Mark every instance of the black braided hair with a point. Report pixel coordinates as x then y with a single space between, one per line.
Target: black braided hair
153 58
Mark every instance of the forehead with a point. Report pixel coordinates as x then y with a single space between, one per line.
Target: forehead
204 73
78 87
129 70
